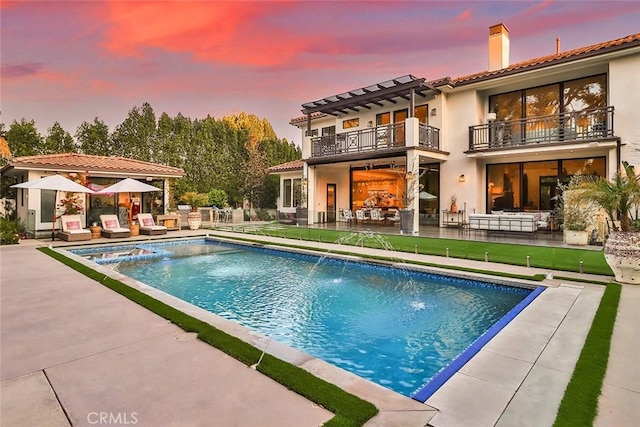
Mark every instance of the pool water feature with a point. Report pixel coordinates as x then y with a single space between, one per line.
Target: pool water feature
393 327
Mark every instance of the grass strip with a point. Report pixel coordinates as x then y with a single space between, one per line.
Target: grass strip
565 259
579 406
349 409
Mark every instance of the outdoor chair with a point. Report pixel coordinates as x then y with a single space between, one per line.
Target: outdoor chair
376 216
148 226
72 230
360 217
394 216
111 227
347 215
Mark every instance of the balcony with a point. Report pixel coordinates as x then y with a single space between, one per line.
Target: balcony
374 139
577 126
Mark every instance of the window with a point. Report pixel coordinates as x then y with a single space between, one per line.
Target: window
297 192
383 119
47 205
576 95
312 132
291 191
286 193
533 186
351 123
420 112
329 130
581 94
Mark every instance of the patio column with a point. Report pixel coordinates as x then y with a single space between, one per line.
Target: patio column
310 174
413 165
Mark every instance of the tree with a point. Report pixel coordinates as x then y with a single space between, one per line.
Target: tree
93 138
136 136
59 141
24 139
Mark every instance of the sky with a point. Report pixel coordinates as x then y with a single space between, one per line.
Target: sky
72 61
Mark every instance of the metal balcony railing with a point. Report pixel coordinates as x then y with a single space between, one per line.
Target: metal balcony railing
372 139
575 126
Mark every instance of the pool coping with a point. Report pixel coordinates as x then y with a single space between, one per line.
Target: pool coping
392 405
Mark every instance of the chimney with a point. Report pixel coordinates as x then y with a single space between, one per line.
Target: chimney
498 47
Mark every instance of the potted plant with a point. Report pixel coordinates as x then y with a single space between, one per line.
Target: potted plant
620 199
194 200
454 206
577 211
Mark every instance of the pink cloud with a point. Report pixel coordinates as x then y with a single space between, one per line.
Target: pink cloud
464 15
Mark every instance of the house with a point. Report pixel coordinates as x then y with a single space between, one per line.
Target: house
497 140
35 207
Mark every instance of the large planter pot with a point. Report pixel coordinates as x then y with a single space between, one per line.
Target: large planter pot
406 222
574 237
622 252
194 219
302 216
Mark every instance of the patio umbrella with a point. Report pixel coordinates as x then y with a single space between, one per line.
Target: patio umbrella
426 196
56 183
128 185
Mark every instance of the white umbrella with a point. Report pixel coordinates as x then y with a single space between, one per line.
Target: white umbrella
56 183
426 196
128 185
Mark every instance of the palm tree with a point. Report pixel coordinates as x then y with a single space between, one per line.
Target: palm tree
620 197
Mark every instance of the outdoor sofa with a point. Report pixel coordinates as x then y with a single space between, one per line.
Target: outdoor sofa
72 230
111 227
148 226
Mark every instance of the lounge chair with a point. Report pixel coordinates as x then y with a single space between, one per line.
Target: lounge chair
111 227
148 225
72 230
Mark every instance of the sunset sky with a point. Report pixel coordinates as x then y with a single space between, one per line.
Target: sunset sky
72 61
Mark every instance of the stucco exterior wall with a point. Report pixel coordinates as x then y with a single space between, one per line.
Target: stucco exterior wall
624 93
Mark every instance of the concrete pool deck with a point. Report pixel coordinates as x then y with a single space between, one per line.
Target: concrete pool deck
68 342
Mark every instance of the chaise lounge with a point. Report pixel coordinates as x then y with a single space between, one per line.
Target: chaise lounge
111 227
148 226
72 230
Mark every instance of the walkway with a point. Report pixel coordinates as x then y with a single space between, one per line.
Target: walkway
70 341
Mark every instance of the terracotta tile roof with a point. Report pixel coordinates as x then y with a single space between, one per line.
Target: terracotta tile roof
544 61
287 167
303 119
73 162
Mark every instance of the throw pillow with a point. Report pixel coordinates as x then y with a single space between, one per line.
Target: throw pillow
73 225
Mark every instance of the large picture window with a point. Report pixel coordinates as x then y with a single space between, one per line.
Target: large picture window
533 186
568 96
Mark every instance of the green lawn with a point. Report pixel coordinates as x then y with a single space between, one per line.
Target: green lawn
579 405
564 259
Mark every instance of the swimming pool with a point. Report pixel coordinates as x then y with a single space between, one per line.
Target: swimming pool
395 327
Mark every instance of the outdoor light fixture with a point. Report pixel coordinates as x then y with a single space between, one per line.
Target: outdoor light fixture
462 178
491 117
434 112
370 124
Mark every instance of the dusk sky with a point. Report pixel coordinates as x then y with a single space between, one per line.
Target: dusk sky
72 61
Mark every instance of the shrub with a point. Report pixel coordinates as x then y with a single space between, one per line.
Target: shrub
218 198
10 230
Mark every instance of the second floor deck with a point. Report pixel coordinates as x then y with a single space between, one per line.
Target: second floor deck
374 139
569 127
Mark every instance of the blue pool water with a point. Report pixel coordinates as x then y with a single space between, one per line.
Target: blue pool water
393 327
